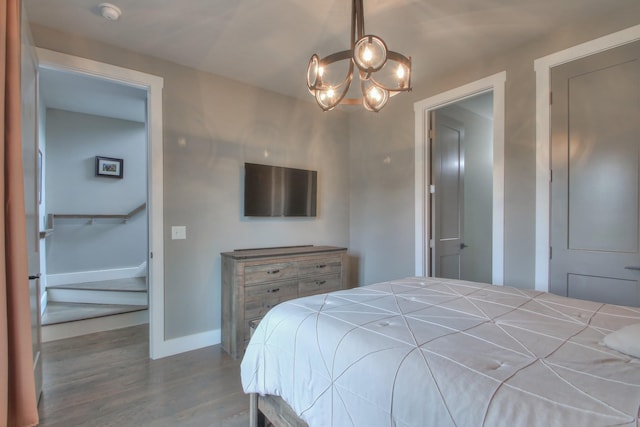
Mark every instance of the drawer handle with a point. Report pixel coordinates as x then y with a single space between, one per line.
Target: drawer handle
321 282
273 291
321 265
273 272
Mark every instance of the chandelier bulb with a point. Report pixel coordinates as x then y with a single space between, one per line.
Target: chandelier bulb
367 55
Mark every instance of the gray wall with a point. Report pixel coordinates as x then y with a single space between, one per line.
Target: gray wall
478 191
382 206
73 141
213 125
382 200
365 160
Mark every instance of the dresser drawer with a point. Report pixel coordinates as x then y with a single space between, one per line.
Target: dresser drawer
248 328
256 280
325 265
268 272
256 309
319 285
284 289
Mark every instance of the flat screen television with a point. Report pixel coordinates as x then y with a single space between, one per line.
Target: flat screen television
275 191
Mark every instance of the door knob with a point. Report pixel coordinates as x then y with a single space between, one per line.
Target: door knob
462 246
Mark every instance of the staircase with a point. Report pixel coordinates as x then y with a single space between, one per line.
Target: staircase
90 300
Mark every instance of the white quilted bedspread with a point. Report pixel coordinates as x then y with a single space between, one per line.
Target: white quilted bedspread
438 352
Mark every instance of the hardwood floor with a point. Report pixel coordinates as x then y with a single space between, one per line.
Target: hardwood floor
107 379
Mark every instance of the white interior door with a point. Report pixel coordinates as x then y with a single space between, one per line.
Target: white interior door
595 155
31 186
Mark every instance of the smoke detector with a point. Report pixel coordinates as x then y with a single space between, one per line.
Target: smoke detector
109 11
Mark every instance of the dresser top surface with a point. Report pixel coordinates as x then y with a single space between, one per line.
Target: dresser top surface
243 254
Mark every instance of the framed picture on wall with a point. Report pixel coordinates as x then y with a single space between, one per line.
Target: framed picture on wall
109 167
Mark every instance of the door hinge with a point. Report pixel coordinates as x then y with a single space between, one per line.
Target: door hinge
432 189
431 243
432 133
550 98
151 255
550 252
550 175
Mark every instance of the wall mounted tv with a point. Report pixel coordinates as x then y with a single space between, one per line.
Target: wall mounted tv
275 191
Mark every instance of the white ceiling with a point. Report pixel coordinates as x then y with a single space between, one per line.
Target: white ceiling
268 43
90 95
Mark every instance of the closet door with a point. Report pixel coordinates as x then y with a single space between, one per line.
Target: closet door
595 189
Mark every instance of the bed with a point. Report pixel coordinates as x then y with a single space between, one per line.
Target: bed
440 352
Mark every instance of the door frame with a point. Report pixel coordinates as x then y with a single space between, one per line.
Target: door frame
542 67
422 109
153 85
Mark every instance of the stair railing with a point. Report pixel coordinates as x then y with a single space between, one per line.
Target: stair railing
91 217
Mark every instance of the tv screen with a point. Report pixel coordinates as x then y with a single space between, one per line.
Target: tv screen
275 191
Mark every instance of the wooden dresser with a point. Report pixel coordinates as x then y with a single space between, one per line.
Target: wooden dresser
255 280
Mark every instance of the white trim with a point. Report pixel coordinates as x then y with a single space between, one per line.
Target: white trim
422 211
495 83
43 303
542 67
190 342
95 275
153 85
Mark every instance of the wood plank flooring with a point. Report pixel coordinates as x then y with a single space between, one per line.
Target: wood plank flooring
107 379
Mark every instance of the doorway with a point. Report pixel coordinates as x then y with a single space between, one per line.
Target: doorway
95 221
461 192
424 211
152 86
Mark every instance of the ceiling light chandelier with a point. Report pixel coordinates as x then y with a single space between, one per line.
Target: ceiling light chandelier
383 73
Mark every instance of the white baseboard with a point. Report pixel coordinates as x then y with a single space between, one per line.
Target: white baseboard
96 275
188 343
89 326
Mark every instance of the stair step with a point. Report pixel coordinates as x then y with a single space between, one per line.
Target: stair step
130 291
62 312
132 284
89 296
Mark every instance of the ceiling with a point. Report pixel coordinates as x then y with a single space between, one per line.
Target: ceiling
91 95
268 43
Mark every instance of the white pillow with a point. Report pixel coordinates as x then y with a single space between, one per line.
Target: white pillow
625 340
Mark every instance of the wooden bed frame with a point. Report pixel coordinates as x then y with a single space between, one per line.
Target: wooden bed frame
273 411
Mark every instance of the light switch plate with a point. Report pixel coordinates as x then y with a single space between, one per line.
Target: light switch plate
178 232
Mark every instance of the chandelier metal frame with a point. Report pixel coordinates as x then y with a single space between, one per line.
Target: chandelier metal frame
368 54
